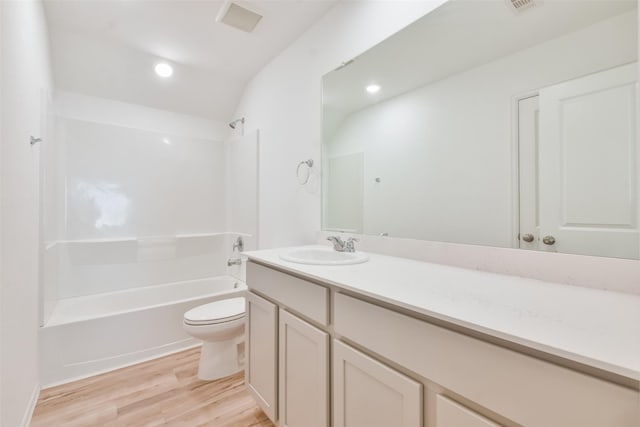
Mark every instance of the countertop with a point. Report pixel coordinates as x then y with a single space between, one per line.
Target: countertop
593 327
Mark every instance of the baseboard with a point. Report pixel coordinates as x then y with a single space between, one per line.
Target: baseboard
26 418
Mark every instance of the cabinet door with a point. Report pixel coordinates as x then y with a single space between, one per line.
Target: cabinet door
367 393
261 369
452 414
304 373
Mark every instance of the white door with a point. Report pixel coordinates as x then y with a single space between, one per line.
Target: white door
528 118
304 373
261 368
367 393
588 165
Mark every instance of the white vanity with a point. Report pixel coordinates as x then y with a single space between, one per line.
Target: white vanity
394 342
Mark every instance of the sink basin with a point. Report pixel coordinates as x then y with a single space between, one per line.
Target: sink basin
323 256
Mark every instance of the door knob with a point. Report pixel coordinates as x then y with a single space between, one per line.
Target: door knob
528 237
548 240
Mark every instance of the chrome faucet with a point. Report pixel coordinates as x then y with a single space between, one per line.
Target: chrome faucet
341 245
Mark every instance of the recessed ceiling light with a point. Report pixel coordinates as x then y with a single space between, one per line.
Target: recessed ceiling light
373 88
166 141
163 69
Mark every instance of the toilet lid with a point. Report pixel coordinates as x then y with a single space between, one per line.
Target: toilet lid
216 312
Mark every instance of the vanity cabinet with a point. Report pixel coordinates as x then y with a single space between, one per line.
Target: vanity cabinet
367 393
391 367
288 347
304 373
519 387
261 349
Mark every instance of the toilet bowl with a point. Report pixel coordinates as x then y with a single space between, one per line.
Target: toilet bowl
220 326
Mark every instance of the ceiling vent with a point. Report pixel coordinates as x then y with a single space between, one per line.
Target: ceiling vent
519 5
238 17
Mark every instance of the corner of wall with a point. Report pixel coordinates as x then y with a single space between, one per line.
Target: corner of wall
26 418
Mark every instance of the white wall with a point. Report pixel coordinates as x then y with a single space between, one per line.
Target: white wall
25 73
443 152
284 102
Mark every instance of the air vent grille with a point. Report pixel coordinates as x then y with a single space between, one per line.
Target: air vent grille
519 5
238 17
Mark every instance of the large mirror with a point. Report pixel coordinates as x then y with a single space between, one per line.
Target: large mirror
500 123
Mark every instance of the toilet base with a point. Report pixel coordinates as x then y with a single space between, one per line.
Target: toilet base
220 359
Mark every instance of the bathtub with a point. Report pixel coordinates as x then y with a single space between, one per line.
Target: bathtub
92 334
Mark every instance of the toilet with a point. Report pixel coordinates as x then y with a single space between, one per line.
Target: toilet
220 326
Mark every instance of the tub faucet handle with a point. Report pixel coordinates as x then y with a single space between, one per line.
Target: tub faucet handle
239 244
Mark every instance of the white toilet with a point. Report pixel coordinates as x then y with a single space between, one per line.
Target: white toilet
220 326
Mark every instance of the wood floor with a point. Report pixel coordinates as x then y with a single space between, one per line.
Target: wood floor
162 392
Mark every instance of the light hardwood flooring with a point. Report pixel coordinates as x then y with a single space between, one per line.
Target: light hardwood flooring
161 392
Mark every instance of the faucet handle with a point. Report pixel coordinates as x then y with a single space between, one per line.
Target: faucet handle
349 245
239 244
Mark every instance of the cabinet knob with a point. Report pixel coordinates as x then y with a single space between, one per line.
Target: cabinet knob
528 237
548 240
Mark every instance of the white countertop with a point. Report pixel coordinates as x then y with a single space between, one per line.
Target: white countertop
594 327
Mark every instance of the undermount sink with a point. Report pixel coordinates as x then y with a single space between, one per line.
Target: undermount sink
323 256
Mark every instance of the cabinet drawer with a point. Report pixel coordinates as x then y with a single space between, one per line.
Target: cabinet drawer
367 393
527 390
452 414
306 298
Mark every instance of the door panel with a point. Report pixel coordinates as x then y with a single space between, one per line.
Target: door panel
304 373
588 164
261 368
367 393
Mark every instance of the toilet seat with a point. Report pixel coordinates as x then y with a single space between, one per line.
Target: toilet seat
221 311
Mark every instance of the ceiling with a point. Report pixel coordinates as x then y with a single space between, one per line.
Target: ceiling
108 48
459 35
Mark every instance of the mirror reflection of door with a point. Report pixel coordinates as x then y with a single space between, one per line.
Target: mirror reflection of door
579 166
528 118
